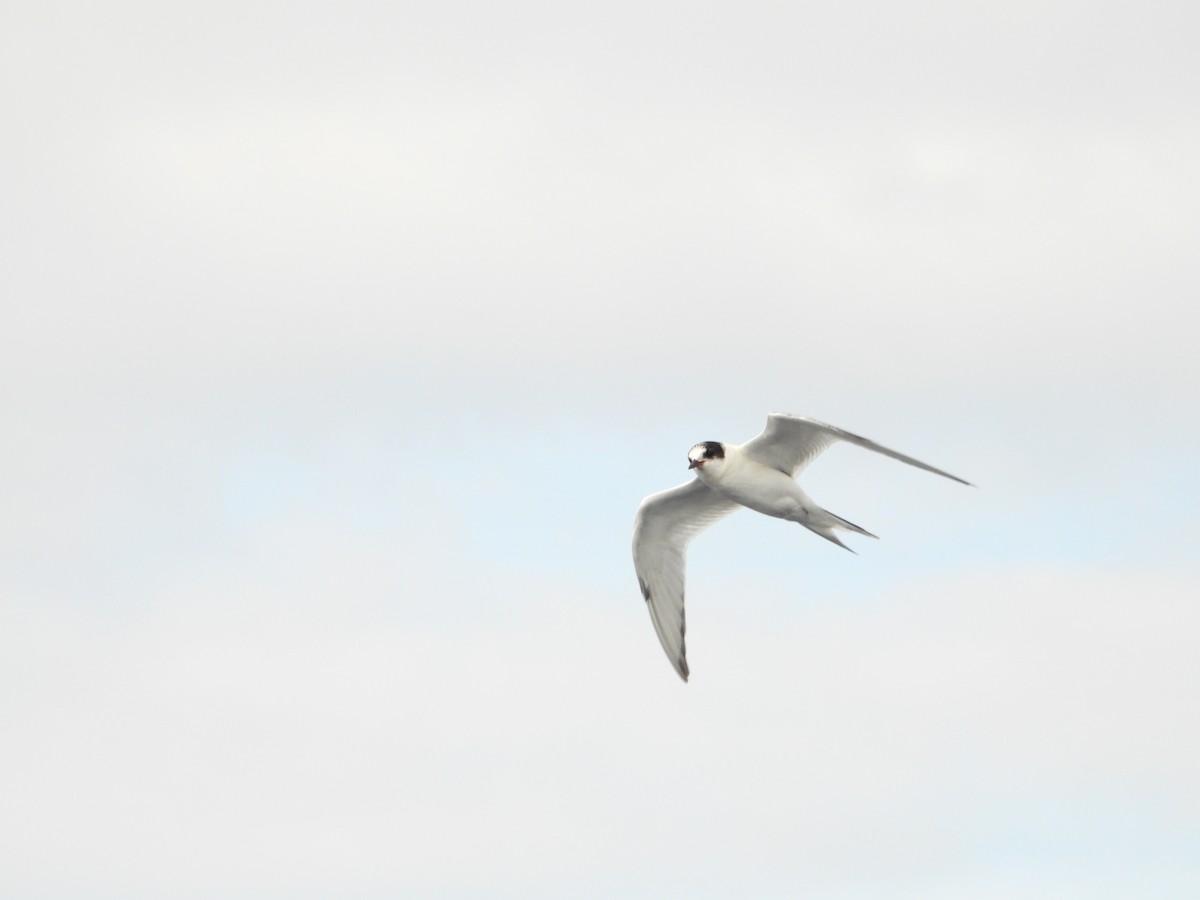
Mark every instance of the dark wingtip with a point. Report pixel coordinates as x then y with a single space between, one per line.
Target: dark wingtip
952 477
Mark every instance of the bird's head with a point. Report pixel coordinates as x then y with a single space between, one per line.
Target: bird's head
704 454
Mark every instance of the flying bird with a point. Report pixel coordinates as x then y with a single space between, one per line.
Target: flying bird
758 474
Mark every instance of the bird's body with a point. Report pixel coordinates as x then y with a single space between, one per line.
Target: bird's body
761 488
759 475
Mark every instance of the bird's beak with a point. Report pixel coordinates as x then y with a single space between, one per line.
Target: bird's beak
695 463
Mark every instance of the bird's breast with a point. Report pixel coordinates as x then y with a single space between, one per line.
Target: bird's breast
762 489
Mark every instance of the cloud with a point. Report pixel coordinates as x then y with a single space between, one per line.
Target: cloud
461 210
253 735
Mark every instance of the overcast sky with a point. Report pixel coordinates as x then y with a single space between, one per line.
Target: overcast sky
341 341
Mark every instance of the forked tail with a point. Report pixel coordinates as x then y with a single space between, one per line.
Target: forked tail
823 522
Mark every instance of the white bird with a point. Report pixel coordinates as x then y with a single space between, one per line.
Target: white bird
757 474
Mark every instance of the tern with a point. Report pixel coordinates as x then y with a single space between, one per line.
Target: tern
759 474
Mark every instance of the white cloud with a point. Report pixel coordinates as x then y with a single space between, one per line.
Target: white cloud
469 209
248 737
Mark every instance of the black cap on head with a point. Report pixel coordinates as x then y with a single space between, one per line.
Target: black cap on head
703 452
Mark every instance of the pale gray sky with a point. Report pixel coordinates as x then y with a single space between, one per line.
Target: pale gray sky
341 343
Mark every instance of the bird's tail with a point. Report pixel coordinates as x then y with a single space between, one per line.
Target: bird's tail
823 522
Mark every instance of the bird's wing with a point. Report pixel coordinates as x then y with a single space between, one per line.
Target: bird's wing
666 523
789 443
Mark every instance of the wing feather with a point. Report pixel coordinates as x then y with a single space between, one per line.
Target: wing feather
666 523
789 443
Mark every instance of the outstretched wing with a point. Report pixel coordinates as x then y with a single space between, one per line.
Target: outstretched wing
789 443
666 523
